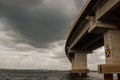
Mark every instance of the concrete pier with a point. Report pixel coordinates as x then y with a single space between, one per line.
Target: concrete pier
79 64
112 55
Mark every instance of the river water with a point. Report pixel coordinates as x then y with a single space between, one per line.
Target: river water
45 75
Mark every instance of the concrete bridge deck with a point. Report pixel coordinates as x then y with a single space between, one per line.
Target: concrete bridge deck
97 20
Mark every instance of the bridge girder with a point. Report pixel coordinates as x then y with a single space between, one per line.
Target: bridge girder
93 21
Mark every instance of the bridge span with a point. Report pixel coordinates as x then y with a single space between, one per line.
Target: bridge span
98 24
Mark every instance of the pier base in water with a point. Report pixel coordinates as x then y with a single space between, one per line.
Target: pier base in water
112 55
79 64
108 76
118 75
80 72
108 70
84 75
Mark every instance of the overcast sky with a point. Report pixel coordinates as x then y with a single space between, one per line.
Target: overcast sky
33 34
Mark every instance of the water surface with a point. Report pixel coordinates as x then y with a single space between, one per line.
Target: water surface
45 75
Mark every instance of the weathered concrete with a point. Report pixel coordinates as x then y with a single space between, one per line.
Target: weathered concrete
79 63
109 68
112 50
112 43
98 24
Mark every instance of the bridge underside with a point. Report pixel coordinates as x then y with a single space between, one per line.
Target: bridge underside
89 42
96 18
98 24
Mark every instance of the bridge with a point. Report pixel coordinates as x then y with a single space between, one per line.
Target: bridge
98 24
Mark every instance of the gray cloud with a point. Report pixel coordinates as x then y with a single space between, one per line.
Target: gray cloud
34 31
97 57
80 3
27 27
39 21
17 54
24 56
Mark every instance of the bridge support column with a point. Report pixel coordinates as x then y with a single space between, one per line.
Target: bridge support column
112 53
79 64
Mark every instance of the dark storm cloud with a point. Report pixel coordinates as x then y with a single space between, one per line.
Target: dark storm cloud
26 25
40 23
79 3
